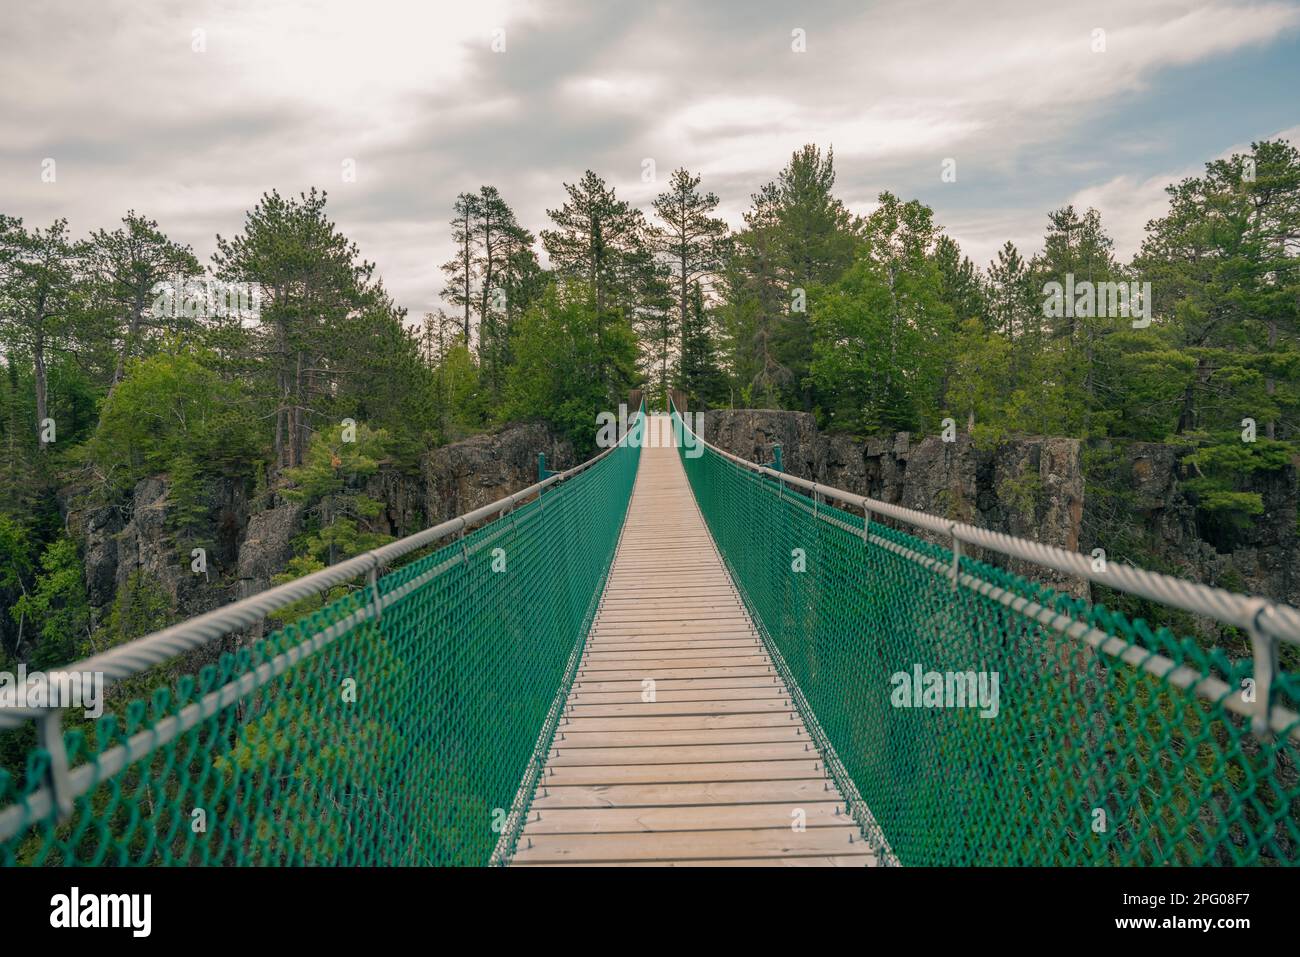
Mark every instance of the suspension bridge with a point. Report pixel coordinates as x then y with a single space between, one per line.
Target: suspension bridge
671 656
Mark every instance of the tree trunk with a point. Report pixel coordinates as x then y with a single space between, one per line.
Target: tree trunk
1187 414
465 253
681 328
11 467
1270 384
38 361
296 413
132 331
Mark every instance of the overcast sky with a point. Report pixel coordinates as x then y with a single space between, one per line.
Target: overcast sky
138 110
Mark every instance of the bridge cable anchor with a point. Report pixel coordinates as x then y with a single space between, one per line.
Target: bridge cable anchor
1264 646
956 555
49 736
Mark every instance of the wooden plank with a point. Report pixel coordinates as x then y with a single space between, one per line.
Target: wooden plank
793 790
653 597
578 725
563 756
648 667
682 627
674 655
657 708
635 695
718 817
609 646
646 739
844 841
785 860
681 684
697 772
746 671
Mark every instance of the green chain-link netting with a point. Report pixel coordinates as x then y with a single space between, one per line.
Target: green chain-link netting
454 686
1088 760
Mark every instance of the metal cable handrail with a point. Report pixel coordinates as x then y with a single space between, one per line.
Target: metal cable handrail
58 786
143 653
1248 613
1265 621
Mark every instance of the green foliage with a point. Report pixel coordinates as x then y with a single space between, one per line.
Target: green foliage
340 514
882 334
1221 469
1023 492
172 407
797 236
700 375
387 384
17 568
978 389
56 606
572 363
140 607
312 279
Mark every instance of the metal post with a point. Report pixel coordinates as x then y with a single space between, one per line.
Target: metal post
49 736
1263 647
541 466
777 462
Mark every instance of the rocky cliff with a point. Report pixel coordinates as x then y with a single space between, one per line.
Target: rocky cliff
1138 502
131 545
463 476
1128 498
134 541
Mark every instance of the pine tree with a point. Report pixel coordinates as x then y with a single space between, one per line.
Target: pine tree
125 267
601 241
459 270
797 236
700 376
311 278
692 242
38 288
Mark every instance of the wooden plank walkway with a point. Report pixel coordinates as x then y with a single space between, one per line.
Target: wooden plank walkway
715 766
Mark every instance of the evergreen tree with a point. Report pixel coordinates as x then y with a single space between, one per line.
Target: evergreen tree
565 373
700 376
692 242
797 236
125 268
459 270
601 242
37 288
311 279
884 334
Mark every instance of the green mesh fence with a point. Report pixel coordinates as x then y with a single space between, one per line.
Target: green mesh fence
454 692
1088 760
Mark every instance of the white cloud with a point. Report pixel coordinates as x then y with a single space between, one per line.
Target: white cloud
413 93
